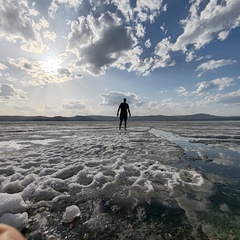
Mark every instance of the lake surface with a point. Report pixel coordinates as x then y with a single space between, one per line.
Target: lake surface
157 180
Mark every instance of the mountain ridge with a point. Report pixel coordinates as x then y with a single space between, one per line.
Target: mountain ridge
193 117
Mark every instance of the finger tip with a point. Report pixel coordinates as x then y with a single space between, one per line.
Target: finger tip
9 233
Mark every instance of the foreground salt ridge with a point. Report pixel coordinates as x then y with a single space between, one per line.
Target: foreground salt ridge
92 164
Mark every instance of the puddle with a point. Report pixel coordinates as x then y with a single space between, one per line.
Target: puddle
210 155
6 146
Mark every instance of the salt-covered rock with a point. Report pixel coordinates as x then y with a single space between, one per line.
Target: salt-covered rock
28 192
44 194
13 187
18 220
11 203
56 184
28 179
99 222
70 213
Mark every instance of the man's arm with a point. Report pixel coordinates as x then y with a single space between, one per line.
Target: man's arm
129 112
118 110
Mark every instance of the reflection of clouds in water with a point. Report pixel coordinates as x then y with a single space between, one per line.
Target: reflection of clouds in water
223 159
216 147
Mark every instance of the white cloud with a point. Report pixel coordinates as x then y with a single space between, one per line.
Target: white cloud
147 10
148 43
172 107
73 104
214 20
213 64
136 64
182 91
163 58
3 67
143 10
50 35
21 23
80 35
190 55
113 98
8 92
204 87
16 20
125 7
55 4
232 98
140 30
27 109
219 84
36 72
110 39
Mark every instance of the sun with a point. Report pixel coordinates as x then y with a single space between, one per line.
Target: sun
51 65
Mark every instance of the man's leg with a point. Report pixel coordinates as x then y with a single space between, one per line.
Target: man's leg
120 124
125 124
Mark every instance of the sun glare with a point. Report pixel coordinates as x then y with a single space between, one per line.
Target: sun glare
51 65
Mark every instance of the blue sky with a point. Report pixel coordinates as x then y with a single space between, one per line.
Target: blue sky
82 57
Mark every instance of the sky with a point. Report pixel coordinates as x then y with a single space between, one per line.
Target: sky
82 57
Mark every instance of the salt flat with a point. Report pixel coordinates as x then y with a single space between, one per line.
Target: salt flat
88 180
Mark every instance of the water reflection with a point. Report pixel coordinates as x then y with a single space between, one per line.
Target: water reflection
213 155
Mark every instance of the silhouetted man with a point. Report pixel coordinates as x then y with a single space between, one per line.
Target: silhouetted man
124 110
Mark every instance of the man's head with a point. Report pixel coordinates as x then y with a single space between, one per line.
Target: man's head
124 99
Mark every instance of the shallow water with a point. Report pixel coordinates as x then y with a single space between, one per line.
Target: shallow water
219 155
157 180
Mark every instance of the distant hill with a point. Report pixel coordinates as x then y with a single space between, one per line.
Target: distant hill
194 117
42 118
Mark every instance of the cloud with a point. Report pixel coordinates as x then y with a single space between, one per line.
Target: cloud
63 71
99 42
213 64
105 39
3 67
106 50
204 87
113 98
56 4
161 52
172 107
232 98
143 10
148 43
147 10
160 59
164 104
73 104
8 92
37 74
21 23
201 27
16 20
50 35
27 109
182 91
132 62
219 84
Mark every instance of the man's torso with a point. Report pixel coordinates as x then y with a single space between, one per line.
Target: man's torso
124 108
